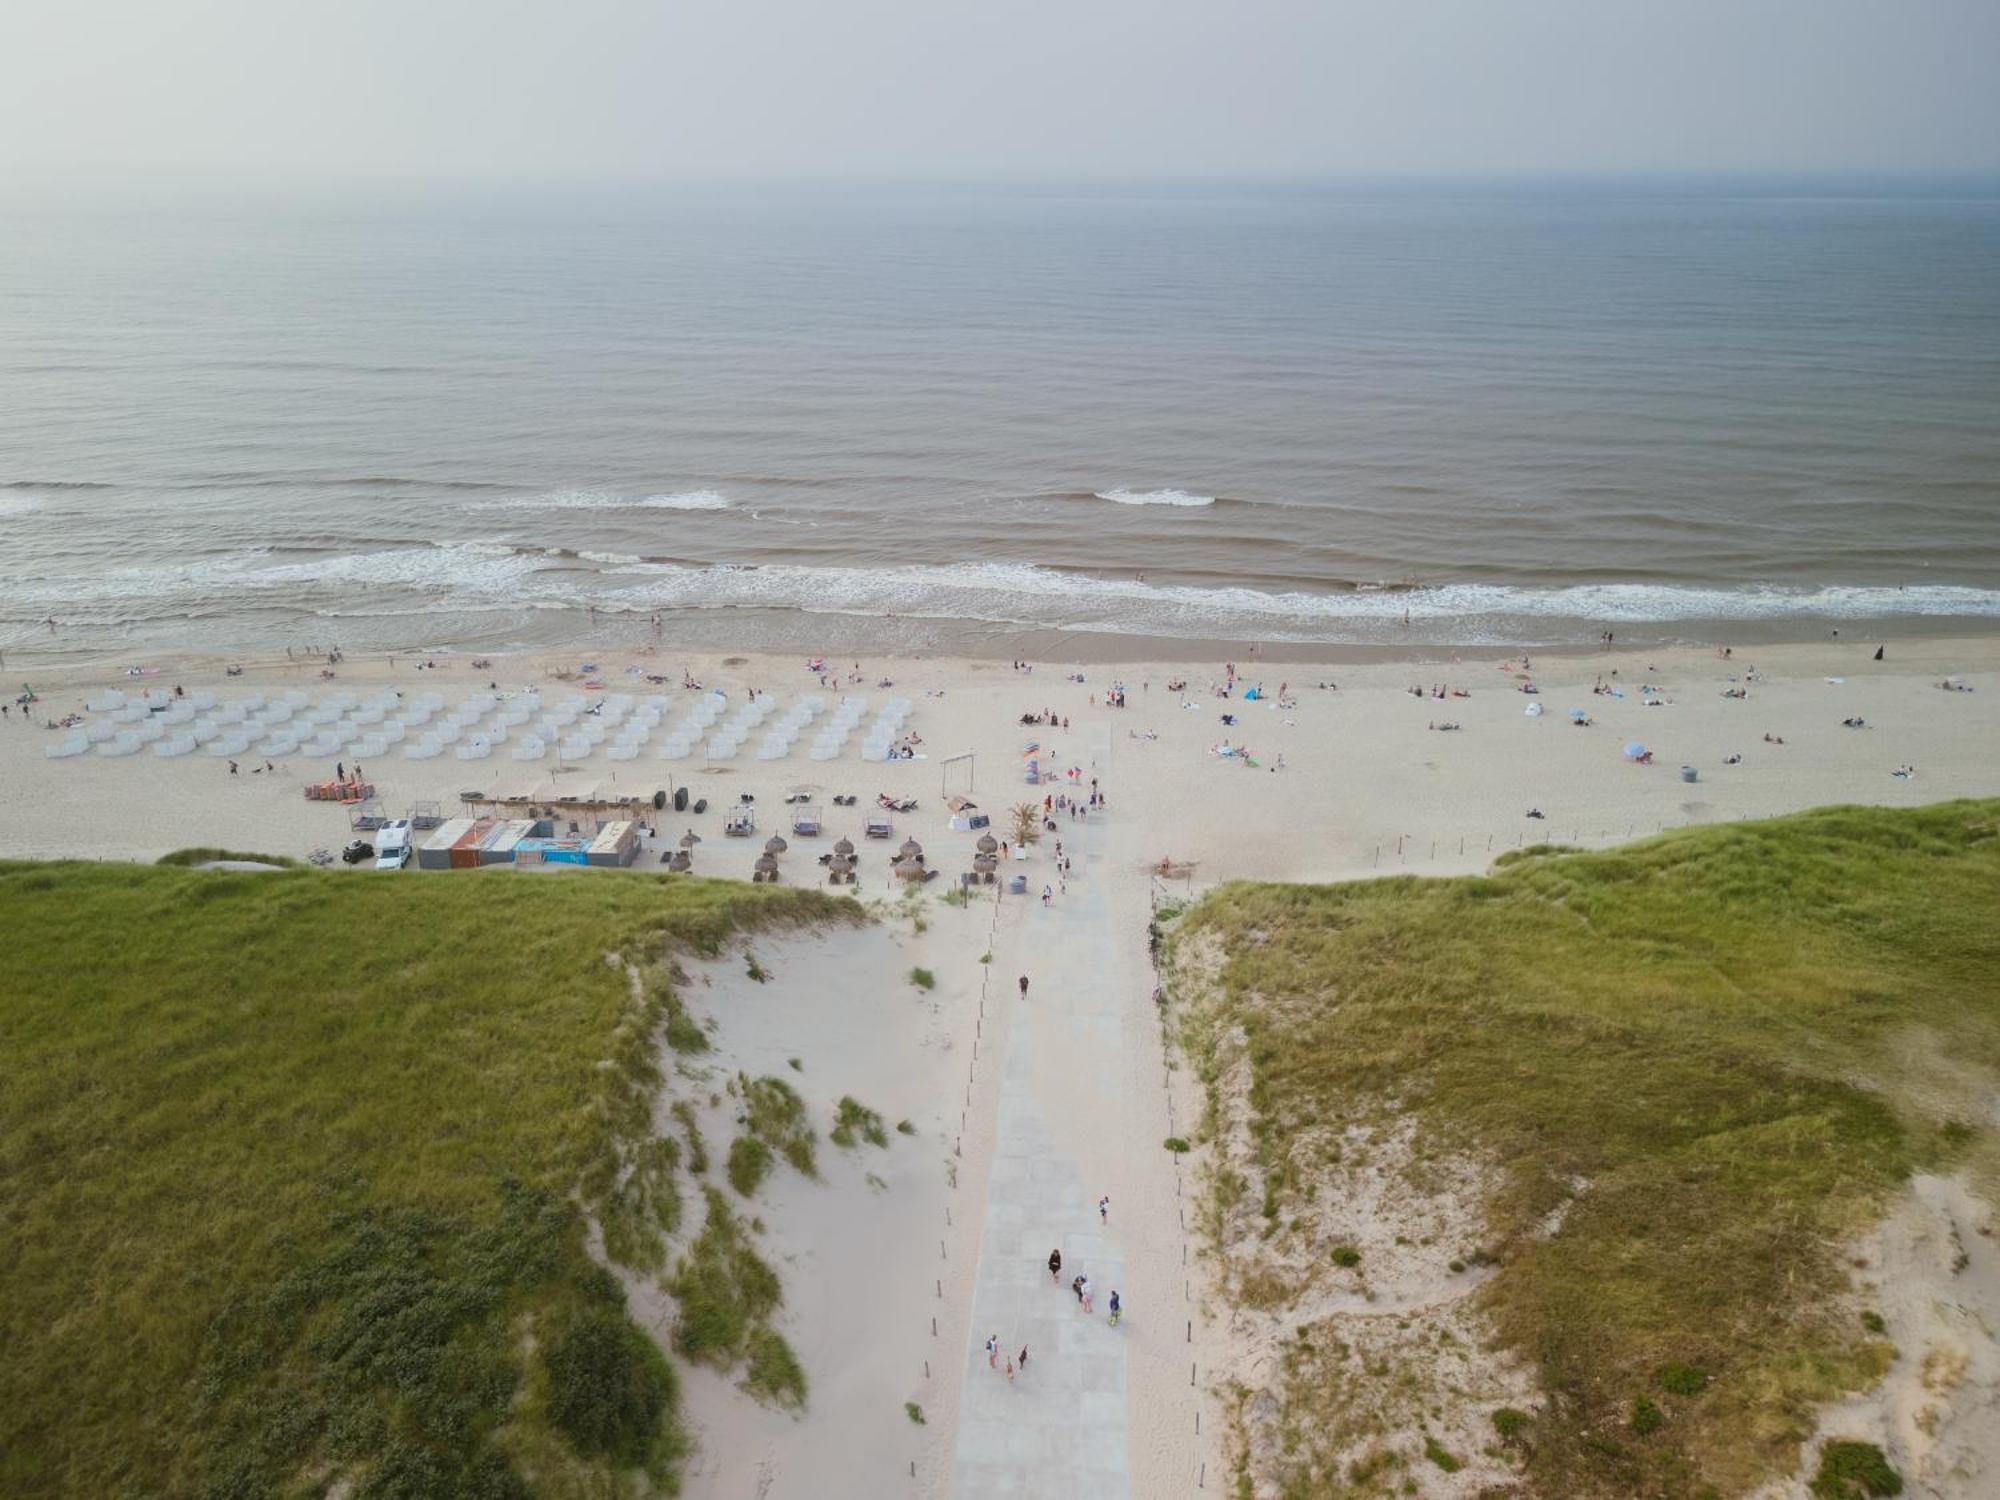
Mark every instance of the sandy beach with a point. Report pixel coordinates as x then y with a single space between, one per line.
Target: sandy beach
1025 1114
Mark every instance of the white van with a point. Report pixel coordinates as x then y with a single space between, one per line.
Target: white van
392 845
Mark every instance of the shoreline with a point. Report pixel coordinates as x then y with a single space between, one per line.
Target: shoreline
780 632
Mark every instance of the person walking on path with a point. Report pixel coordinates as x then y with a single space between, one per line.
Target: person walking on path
1024 1356
1115 1308
1010 1372
993 1351
1076 1285
1055 1267
1083 1291
1104 1209
1024 986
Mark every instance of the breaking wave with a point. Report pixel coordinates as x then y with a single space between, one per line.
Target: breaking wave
476 576
1155 497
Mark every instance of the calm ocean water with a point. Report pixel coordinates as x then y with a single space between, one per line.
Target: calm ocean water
488 417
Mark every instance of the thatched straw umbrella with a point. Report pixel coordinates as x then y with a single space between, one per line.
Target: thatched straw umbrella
680 864
775 844
909 869
988 844
984 865
839 868
844 846
690 839
766 867
911 849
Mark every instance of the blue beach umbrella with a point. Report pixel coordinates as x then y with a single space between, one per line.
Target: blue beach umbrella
1577 713
1633 750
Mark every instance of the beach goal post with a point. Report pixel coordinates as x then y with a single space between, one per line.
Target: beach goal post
952 770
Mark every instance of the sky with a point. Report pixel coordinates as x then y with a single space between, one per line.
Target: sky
729 89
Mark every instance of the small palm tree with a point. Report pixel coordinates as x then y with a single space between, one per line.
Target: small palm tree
1027 818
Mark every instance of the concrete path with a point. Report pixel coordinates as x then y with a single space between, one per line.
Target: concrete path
1060 1427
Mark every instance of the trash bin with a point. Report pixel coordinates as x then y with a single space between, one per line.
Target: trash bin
1017 885
1688 773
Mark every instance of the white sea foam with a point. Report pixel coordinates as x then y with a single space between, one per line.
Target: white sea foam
1155 497
19 505
610 500
488 575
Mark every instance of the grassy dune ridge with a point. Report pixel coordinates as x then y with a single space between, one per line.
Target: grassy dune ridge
295 1170
1709 1058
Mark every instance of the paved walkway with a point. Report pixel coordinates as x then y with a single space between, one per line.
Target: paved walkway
1060 1428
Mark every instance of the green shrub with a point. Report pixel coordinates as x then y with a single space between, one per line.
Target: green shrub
923 978
1436 1453
1681 1380
723 1288
904 1127
856 1121
1510 1422
684 1033
1177 1144
1345 1256
1851 1470
209 856
608 1386
1646 1417
755 970
914 1412
683 1111
776 1115
773 1371
749 1163
1872 1321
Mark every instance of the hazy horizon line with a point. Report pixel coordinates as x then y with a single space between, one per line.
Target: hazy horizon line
1886 181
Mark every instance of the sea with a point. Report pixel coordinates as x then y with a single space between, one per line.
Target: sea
235 417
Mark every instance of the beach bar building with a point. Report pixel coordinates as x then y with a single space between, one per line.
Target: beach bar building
464 853
616 844
436 851
503 843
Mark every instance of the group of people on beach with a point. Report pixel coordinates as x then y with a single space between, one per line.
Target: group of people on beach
1080 1288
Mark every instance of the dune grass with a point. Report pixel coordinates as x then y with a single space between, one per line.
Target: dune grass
1710 1058
295 1169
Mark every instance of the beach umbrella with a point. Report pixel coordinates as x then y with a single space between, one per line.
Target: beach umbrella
985 864
1578 714
843 846
988 844
909 869
690 839
767 864
1633 750
680 864
775 844
911 849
